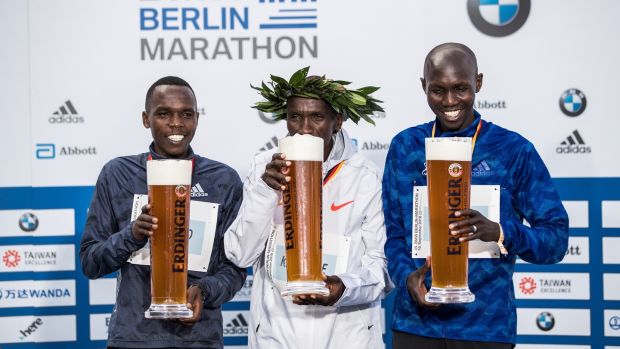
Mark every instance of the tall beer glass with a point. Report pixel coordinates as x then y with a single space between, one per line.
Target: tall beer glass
169 186
448 173
301 204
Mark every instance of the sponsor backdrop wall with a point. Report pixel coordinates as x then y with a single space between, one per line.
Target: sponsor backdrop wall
74 74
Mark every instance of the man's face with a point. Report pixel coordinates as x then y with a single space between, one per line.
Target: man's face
313 117
451 88
172 118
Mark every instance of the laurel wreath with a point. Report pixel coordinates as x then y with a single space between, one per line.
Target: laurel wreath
352 104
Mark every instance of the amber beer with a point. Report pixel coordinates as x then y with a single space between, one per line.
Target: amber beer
169 186
301 205
448 172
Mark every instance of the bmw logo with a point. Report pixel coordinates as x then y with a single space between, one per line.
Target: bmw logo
573 102
614 322
545 321
498 17
28 222
266 119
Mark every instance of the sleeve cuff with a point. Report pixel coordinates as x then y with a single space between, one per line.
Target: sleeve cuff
131 240
348 283
265 191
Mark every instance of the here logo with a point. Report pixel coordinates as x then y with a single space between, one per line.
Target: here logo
33 327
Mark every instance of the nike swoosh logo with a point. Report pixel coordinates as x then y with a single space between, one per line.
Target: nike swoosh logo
369 327
337 207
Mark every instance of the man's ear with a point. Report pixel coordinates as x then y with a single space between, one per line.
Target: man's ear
478 82
423 85
339 121
145 120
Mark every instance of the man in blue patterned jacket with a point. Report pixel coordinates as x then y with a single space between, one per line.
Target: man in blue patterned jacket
450 83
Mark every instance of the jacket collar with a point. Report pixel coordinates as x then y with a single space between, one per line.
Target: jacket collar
466 132
155 156
343 149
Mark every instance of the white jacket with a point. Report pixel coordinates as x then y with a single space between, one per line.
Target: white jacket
355 320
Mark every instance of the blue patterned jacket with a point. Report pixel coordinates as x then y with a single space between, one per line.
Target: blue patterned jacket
501 157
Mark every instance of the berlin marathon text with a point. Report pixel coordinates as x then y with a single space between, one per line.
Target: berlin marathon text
228 48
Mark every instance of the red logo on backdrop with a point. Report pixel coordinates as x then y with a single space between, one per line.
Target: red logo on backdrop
527 285
11 258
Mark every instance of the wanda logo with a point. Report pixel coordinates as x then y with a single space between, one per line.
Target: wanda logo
11 258
527 285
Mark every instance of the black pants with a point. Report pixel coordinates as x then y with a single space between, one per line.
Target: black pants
402 340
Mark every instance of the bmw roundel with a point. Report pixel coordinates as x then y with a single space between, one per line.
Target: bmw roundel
28 222
498 17
545 321
573 102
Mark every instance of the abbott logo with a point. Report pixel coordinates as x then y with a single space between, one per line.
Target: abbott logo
574 144
48 151
45 151
66 114
238 326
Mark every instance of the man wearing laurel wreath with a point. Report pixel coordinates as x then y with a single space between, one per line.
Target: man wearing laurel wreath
353 228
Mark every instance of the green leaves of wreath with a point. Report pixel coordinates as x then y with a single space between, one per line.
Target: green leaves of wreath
353 104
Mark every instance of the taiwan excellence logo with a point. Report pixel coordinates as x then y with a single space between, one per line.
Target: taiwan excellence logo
28 222
527 285
498 17
545 321
11 258
573 102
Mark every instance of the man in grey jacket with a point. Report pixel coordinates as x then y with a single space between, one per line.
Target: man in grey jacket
110 237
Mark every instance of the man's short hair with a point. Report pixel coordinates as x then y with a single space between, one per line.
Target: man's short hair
454 46
166 80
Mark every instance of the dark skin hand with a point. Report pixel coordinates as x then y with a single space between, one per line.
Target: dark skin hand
336 289
417 289
486 230
144 225
275 172
143 228
195 303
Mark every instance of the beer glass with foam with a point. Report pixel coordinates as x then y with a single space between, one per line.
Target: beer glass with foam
169 187
301 205
448 173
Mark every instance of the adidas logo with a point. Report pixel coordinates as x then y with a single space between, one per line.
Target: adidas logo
482 169
197 191
237 326
573 144
271 144
66 114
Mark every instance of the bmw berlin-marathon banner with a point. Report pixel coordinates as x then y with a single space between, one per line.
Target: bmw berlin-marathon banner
75 75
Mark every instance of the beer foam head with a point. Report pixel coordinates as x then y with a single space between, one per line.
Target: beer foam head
169 172
448 148
302 147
